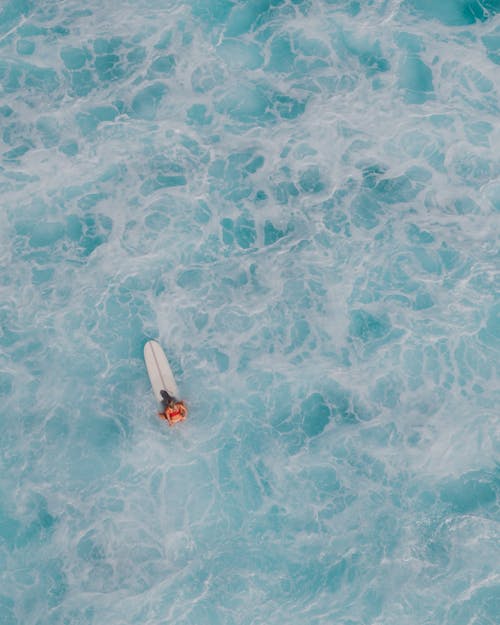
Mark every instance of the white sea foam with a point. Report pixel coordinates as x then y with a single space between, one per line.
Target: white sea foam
299 200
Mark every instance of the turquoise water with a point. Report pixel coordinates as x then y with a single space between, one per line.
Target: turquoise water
300 200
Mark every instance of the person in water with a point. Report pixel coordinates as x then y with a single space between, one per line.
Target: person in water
173 409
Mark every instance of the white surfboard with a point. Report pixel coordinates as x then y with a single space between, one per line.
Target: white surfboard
159 371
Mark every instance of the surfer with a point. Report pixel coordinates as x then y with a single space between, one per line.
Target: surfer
173 409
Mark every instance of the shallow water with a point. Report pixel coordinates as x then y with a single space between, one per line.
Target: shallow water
300 201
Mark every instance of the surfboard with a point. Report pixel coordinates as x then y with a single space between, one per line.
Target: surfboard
159 371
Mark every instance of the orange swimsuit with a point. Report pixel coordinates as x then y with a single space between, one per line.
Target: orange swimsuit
175 414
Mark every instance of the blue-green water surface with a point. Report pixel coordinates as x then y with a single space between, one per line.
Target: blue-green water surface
300 199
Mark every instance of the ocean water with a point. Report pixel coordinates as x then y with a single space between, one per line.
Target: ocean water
300 200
